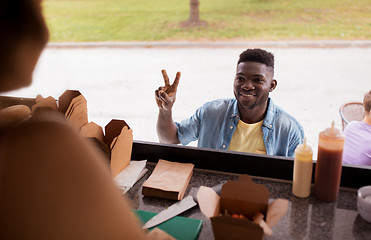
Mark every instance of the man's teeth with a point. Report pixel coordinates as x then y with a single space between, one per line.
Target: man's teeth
247 95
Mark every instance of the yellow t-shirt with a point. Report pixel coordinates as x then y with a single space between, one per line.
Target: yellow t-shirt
248 138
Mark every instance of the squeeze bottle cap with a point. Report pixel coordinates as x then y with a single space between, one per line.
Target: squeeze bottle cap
304 148
333 132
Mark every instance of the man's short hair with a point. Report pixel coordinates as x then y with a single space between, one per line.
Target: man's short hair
367 102
257 55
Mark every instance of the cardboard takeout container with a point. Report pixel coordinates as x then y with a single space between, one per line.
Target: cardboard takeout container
240 197
115 142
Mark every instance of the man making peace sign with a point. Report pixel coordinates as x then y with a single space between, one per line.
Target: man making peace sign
250 122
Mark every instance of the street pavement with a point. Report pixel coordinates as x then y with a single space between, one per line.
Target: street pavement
119 79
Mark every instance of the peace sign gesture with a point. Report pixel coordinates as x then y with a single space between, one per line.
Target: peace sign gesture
165 96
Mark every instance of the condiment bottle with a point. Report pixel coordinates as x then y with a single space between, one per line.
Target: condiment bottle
329 164
303 166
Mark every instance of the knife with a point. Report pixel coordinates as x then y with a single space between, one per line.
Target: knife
177 208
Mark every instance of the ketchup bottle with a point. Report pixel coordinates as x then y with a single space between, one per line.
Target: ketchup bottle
329 164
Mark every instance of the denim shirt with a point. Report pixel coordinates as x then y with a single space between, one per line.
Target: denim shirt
214 123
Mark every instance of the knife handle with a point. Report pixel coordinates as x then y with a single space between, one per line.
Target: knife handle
216 188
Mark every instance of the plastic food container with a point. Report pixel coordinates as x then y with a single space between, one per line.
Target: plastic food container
364 202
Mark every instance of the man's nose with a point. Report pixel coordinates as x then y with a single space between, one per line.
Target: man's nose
247 85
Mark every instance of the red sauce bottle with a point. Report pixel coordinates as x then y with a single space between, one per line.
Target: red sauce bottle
329 164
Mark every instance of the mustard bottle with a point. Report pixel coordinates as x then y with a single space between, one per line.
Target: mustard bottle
303 167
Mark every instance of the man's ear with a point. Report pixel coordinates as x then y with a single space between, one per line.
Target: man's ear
273 85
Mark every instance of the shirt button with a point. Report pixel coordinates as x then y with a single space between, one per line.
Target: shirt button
231 127
223 146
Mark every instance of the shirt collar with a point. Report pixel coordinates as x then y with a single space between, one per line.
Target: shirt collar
235 113
268 120
269 117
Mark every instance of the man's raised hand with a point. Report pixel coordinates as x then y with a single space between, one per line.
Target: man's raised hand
165 95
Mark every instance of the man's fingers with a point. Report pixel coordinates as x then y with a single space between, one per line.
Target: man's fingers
161 89
166 78
157 94
176 80
161 95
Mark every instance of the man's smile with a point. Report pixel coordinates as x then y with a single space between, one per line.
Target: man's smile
247 94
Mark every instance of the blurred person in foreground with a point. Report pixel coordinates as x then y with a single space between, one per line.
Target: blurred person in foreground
357 146
53 185
250 122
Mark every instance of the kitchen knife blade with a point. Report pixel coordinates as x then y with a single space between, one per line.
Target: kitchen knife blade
177 208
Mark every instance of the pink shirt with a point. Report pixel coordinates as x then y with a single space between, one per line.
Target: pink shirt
357 147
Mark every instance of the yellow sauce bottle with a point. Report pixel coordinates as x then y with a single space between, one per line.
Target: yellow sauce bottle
303 167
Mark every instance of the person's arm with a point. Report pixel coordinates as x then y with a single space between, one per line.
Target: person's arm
166 128
165 99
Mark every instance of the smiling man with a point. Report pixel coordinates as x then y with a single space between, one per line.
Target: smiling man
250 122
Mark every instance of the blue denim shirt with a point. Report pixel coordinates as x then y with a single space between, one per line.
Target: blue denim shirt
214 123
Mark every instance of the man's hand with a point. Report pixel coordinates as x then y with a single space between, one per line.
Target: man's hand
165 96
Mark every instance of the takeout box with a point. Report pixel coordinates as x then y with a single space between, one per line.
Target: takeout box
240 197
74 107
115 142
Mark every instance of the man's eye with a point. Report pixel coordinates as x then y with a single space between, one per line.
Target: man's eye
258 80
240 79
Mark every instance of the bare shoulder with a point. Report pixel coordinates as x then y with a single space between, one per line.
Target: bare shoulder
50 139
45 141
44 125
38 134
